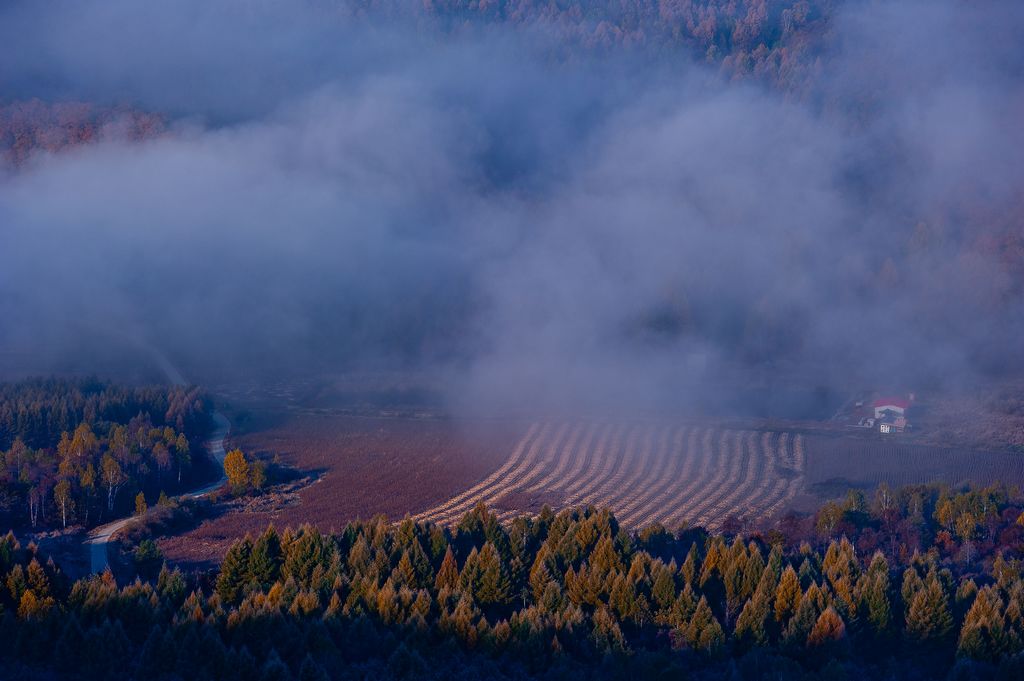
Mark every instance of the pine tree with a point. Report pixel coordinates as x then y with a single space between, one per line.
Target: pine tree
703 632
828 629
604 559
448 573
37 580
663 588
983 635
623 597
265 559
688 569
752 571
787 595
606 634
404 574
424 571
274 669
751 625
928 618
16 583
311 671
234 571
876 602
493 586
806 616
912 584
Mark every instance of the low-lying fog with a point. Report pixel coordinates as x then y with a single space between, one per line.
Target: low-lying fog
526 227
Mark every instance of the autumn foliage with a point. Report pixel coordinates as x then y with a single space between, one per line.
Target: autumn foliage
570 595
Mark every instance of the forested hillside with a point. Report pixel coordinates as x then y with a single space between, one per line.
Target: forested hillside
773 40
76 451
557 596
31 126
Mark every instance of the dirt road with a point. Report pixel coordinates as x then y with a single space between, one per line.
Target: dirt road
99 537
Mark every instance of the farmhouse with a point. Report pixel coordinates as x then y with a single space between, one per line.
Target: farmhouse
890 414
892 424
894 405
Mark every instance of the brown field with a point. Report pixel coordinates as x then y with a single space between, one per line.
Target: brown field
357 467
647 471
852 462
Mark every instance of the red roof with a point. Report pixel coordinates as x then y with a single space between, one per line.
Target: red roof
892 402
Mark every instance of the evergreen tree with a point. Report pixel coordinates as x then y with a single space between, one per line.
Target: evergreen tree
983 635
448 573
663 588
876 602
787 595
704 632
929 620
493 586
265 559
829 629
234 572
806 616
688 569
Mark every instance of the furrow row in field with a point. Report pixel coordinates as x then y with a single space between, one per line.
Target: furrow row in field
668 455
645 472
513 461
466 501
685 462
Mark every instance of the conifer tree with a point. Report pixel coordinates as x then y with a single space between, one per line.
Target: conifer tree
929 620
787 595
38 582
404 574
983 635
688 570
806 616
623 597
234 572
828 629
704 632
469 577
604 559
493 586
751 625
912 584
448 573
663 588
876 602
265 559
606 633
752 571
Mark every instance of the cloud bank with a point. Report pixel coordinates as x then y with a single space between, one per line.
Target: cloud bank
624 229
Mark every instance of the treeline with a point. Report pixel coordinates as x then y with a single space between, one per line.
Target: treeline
772 40
561 596
960 526
76 451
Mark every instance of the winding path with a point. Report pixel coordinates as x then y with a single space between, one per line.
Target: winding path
99 537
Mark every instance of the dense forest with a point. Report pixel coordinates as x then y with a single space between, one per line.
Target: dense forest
30 126
76 451
774 41
560 596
